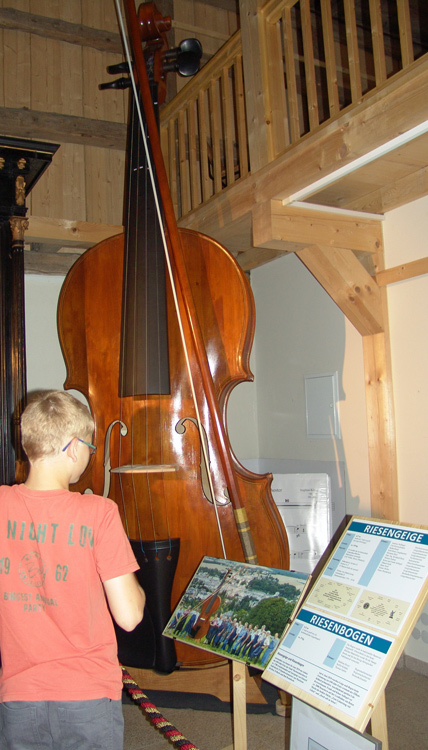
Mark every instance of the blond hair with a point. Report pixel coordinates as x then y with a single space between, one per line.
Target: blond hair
50 419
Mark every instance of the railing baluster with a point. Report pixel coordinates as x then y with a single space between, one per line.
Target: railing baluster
193 161
173 167
228 124
353 54
290 71
378 43
405 27
308 47
215 134
241 122
203 146
183 164
330 57
164 138
275 99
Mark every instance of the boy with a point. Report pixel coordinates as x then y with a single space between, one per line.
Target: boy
64 561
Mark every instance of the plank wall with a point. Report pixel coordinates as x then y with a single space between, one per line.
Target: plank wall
84 182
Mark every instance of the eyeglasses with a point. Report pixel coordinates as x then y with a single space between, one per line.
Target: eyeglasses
92 448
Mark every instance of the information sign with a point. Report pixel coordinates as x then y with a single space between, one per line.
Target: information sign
347 636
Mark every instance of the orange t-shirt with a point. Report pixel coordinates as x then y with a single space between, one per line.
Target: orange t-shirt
57 639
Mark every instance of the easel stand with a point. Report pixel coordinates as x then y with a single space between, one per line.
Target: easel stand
239 706
379 727
226 681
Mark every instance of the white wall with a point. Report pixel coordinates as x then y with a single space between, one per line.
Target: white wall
300 331
45 364
405 235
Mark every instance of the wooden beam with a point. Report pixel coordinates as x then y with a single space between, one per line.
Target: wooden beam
49 264
27 123
381 421
65 233
290 228
230 5
381 427
348 284
255 257
61 31
400 273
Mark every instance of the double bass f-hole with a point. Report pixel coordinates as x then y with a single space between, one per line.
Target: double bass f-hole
205 457
107 458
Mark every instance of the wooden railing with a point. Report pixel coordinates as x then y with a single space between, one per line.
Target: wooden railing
314 65
204 131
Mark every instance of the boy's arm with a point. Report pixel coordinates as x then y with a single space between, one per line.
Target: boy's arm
126 600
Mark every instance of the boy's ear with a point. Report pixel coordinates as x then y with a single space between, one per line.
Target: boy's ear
71 451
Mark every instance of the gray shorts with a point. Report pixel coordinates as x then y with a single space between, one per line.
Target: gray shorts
61 725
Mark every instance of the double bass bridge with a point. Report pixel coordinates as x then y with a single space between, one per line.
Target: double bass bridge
127 468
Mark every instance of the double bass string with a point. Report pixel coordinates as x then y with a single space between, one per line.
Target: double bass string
122 359
141 362
132 234
168 263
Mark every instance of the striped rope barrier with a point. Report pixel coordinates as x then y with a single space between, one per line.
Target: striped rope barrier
156 718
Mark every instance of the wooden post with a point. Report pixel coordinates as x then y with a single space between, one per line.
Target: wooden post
379 727
238 673
239 706
380 416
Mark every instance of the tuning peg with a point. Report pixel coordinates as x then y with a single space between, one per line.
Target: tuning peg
121 67
119 83
184 59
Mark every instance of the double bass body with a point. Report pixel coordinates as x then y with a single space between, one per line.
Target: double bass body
161 430
140 431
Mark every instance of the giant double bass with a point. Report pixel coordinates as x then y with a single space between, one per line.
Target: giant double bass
156 328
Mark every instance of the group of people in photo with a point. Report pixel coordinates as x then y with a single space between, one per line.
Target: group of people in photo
229 636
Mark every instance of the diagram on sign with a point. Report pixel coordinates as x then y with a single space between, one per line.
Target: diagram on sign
337 597
381 611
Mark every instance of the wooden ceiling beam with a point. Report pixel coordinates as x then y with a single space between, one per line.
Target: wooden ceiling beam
401 273
348 283
51 126
290 228
67 233
61 31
